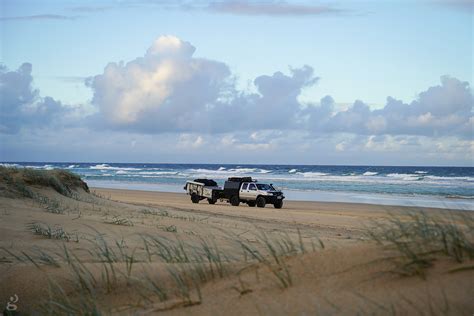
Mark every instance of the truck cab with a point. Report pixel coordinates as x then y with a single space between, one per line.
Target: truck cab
260 194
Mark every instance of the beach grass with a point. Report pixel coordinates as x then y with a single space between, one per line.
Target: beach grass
418 238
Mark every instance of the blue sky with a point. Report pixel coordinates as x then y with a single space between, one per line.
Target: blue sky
355 50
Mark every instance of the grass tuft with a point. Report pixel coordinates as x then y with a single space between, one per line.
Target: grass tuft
55 232
117 220
418 238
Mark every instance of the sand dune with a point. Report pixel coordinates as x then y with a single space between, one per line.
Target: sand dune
125 252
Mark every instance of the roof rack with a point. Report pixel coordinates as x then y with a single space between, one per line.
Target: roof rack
241 179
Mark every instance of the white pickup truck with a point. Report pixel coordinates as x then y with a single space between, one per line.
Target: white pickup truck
235 191
260 194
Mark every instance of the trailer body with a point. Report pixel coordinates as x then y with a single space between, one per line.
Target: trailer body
201 189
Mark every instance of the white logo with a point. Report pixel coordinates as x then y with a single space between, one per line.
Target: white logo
11 304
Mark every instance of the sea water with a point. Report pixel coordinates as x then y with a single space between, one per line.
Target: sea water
445 187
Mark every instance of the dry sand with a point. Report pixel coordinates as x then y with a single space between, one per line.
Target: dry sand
330 220
341 272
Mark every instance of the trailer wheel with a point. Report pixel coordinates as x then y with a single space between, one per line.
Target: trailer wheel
234 200
278 204
251 203
212 201
195 198
261 201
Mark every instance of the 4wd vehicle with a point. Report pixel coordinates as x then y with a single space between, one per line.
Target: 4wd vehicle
260 194
236 190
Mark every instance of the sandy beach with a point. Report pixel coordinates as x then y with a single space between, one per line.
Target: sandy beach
330 220
306 258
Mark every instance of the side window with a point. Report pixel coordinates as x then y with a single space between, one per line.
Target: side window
252 187
244 186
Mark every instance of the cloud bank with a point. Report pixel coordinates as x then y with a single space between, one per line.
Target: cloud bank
169 103
443 110
21 104
169 90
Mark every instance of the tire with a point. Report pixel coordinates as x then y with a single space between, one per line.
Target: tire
234 200
211 201
278 204
195 198
251 203
261 201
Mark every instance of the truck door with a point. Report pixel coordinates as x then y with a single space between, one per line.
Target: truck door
244 191
252 192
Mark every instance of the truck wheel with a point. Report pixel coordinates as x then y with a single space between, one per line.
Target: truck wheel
278 204
261 201
212 201
195 198
234 200
251 203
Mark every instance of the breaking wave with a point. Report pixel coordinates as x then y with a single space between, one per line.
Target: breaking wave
370 173
312 174
105 166
405 176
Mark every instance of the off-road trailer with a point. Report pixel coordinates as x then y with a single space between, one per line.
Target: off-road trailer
201 189
235 191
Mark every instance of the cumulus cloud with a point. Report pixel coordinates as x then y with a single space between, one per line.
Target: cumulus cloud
170 90
442 110
274 106
188 141
161 91
271 8
21 104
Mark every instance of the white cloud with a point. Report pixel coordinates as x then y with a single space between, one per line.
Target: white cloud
188 141
169 90
443 110
22 106
340 146
228 140
160 91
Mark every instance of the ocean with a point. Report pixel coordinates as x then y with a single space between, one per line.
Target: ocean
444 187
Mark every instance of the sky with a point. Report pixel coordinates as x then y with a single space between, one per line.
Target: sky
277 82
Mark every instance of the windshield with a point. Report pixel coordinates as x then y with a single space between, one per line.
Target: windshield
265 187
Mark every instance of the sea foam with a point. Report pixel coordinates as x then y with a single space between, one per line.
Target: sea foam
370 173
